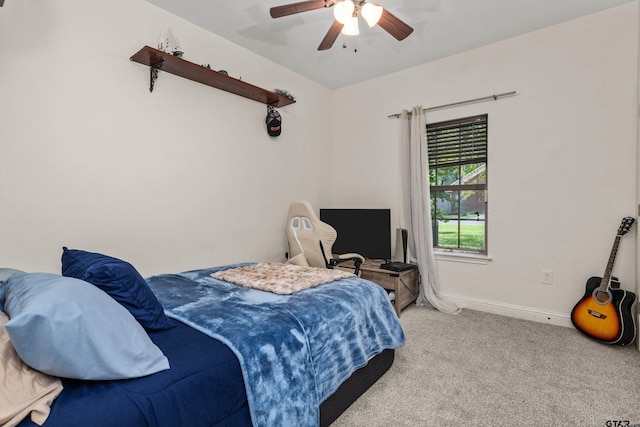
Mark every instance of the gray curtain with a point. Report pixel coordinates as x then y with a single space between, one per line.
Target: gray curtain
416 211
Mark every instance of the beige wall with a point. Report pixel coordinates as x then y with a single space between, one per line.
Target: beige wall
562 156
185 177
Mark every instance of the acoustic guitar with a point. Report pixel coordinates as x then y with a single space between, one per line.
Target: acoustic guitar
605 311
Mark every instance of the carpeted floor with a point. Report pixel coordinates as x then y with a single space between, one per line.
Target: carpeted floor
480 369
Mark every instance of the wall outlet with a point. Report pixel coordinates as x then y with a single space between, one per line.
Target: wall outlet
546 277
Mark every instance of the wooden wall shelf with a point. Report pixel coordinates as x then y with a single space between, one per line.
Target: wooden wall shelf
158 60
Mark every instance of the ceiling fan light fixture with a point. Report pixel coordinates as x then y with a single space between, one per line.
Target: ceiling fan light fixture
371 13
351 26
343 11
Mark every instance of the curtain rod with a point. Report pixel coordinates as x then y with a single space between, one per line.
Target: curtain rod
455 104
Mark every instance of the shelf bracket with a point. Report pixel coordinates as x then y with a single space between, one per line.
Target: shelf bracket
153 73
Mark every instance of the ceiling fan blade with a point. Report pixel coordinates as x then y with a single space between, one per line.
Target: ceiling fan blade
303 6
331 36
394 26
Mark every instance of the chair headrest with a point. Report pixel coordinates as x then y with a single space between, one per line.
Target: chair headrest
305 231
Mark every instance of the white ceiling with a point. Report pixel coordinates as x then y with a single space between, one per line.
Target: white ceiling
441 28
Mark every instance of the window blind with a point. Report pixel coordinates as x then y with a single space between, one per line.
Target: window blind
457 142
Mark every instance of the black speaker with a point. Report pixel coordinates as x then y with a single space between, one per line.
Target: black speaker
405 237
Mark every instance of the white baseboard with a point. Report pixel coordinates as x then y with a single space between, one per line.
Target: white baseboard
511 310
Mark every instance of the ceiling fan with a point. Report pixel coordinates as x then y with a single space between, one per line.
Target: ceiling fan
346 18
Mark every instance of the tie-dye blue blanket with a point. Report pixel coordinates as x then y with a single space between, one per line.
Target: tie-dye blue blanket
294 350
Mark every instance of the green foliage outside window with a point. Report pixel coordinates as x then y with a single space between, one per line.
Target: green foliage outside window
458 182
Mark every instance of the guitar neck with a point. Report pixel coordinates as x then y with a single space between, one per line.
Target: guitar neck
606 277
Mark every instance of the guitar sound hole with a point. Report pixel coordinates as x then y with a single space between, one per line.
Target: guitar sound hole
602 297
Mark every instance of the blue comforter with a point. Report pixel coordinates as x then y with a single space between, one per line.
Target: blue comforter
203 388
294 350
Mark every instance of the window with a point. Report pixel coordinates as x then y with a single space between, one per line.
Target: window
458 181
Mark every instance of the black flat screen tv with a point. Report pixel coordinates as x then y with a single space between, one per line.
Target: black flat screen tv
363 231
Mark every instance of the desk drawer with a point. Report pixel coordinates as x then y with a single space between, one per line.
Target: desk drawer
386 280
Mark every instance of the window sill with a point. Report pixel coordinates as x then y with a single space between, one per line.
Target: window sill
462 257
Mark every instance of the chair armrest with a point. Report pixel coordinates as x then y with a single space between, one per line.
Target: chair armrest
351 256
356 258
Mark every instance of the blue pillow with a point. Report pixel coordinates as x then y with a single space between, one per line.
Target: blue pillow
120 280
68 328
5 273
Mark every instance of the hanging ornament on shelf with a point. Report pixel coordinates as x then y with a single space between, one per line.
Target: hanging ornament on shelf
167 42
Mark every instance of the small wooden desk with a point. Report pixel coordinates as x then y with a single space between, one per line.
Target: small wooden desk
403 283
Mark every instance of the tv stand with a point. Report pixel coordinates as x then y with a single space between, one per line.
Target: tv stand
403 283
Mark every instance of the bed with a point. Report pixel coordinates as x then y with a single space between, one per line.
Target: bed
238 356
